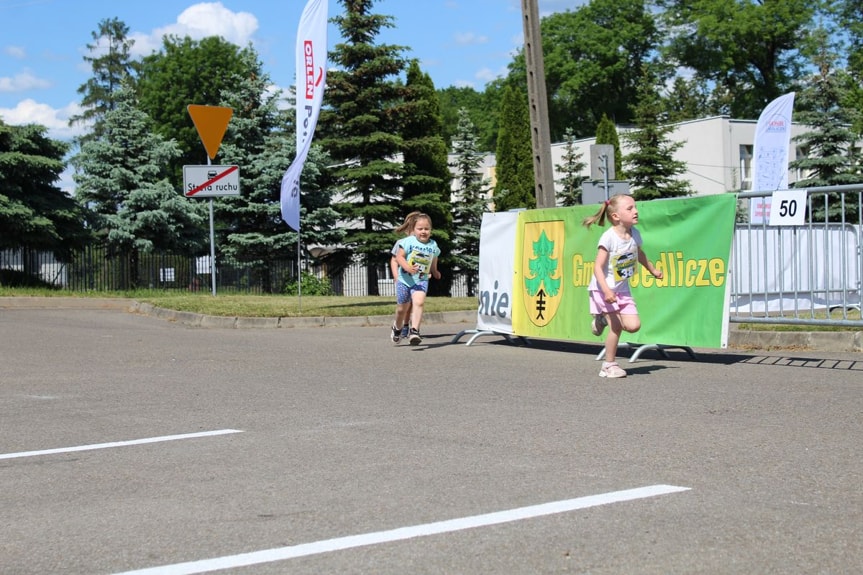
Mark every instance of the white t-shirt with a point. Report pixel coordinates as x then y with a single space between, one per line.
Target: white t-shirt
622 260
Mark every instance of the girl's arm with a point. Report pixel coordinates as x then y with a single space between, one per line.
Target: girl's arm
403 263
642 259
434 272
599 272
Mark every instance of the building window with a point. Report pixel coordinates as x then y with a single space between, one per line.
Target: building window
745 167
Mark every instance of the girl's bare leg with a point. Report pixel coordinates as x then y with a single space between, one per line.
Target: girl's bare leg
418 301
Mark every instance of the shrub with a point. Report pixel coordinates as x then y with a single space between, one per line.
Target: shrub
311 285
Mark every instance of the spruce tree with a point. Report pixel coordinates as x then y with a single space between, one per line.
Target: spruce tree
361 130
651 168
261 139
831 157
111 70
34 212
427 180
515 186
471 199
572 169
122 177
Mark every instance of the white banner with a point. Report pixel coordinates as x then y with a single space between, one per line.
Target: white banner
770 154
496 261
311 79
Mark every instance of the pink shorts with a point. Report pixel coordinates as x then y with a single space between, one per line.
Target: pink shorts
624 305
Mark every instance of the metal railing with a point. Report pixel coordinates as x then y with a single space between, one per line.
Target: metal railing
93 270
806 274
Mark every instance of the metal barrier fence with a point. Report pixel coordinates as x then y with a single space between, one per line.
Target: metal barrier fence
808 274
92 269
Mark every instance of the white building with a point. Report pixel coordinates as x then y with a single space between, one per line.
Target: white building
717 152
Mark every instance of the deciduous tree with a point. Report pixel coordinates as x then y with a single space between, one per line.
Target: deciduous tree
185 72
748 50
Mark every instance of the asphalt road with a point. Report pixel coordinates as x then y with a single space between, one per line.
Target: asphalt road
316 448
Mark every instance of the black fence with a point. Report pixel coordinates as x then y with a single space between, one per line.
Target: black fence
93 269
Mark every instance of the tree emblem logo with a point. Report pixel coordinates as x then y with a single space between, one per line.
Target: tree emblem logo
542 270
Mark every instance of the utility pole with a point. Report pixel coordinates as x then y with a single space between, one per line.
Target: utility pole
540 134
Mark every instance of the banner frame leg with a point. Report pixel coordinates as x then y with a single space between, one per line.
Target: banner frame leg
641 348
481 332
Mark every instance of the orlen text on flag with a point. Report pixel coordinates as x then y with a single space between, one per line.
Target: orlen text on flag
311 79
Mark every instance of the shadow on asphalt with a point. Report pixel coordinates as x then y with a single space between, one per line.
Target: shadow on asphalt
714 357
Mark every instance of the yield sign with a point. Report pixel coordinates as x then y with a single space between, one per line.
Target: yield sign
211 123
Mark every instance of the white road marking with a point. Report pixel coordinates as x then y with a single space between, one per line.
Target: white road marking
117 444
402 533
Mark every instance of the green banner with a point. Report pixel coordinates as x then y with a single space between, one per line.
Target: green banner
689 239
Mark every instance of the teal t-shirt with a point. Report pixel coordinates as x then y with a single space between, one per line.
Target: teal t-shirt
421 254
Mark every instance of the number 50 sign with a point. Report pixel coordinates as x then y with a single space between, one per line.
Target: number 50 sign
789 208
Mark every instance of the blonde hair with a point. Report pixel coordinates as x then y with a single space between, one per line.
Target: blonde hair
408 225
607 208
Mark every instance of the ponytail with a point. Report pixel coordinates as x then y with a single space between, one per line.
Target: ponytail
606 208
598 217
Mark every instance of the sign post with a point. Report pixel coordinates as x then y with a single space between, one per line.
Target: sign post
211 123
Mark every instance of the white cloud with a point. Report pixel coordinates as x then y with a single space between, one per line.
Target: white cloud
22 82
487 74
15 51
200 21
55 120
470 39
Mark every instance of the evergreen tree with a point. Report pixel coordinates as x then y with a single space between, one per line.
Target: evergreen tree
831 158
34 212
571 168
122 177
606 133
110 70
471 199
261 139
360 125
651 168
515 186
427 181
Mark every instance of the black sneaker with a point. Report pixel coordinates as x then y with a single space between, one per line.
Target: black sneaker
415 337
396 334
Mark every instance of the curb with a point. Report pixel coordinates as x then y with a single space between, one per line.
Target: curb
844 341
819 340
212 321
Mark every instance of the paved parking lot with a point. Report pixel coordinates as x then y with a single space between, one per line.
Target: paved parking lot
132 443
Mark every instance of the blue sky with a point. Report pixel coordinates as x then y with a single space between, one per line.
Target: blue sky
458 42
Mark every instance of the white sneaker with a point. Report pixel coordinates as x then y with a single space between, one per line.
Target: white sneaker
597 326
611 370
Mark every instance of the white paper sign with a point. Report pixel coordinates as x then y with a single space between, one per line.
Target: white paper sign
788 208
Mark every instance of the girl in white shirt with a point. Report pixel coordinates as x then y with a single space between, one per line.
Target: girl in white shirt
617 256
